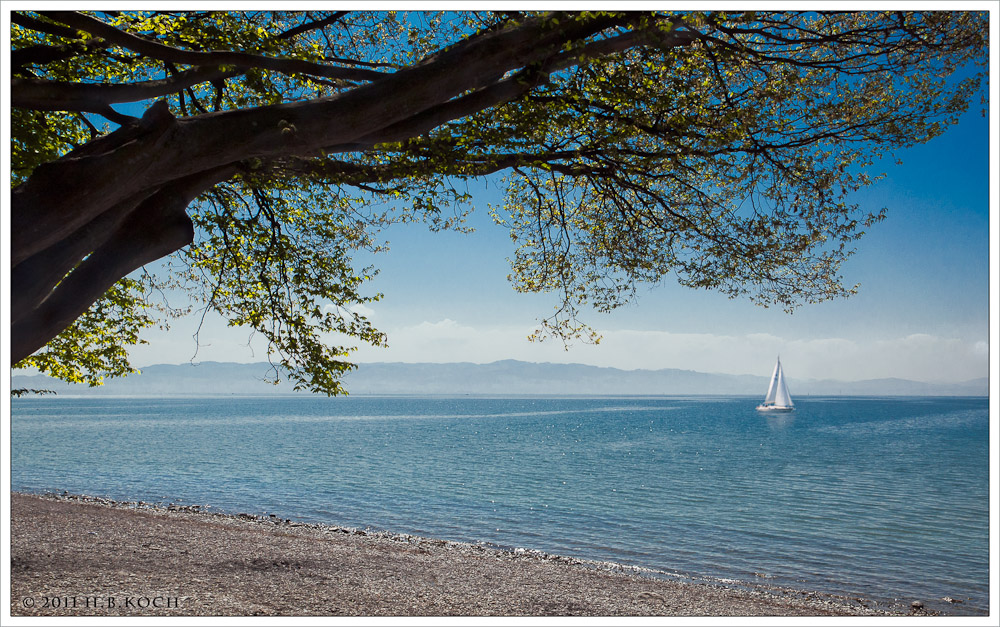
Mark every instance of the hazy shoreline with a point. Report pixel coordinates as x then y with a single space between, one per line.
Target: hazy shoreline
506 378
134 550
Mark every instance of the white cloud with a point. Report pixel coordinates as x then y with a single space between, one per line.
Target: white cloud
449 341
920 357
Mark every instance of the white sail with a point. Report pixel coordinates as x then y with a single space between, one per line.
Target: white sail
773 387
781 397
777 398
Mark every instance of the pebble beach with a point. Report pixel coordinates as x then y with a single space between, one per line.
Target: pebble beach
75 555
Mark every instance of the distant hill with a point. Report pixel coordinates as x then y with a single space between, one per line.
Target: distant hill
507 377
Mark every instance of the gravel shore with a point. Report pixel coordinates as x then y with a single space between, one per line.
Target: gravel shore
73 555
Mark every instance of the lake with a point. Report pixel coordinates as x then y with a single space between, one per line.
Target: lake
884 498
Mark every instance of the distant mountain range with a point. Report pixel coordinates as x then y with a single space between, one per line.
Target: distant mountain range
507 377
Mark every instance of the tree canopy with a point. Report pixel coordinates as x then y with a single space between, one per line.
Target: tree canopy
259 151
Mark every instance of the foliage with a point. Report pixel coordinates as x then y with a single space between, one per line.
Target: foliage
18 392
719 147
95 345
281 265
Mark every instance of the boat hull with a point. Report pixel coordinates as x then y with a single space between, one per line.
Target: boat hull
775 408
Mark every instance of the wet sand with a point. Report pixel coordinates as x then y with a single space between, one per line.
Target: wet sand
74 555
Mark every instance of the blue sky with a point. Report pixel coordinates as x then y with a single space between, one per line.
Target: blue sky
922 311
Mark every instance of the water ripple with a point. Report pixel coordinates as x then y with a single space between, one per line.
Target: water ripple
850 497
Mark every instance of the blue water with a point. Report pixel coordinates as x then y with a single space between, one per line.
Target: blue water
881 498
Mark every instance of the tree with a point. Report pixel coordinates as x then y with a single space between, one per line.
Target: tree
720 147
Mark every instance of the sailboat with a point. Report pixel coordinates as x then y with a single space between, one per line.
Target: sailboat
777 398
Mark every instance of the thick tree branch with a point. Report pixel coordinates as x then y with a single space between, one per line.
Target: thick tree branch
308 26
66 177
34 278
157 50
513 87
157 227
45 95
26 21
171 150
361 175
47 54
114 116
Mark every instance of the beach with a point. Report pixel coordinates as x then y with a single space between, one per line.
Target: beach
74 556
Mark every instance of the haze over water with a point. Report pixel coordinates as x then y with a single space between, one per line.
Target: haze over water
880 498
